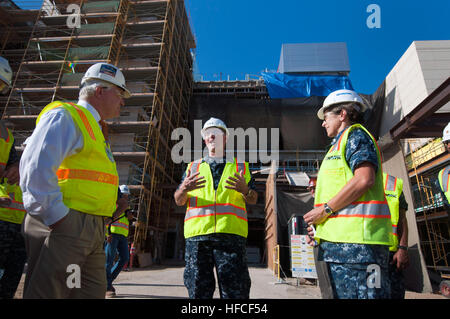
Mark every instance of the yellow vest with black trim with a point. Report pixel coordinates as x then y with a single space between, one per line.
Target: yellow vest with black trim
121 226
365 221
444 181
216 211
393 188
88 179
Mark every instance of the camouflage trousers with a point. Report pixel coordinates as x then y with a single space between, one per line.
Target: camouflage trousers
396 280
12 258
229 258
359 281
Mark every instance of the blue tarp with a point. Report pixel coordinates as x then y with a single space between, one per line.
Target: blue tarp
282 86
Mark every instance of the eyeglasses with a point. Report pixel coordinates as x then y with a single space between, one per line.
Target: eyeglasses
118 92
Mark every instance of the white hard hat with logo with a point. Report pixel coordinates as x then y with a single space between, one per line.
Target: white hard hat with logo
108 73
215 122
124 189
342 96
446 133
5 74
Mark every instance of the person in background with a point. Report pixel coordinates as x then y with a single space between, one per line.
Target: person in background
443 182
443 176
117 240
398 251
12 246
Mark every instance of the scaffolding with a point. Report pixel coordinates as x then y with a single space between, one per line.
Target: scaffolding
429 204
151 42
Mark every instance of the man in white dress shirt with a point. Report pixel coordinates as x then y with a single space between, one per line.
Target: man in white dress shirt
70 183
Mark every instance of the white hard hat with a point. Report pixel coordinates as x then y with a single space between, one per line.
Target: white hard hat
342 96
446 133
5 72
214 122
124 189
108 73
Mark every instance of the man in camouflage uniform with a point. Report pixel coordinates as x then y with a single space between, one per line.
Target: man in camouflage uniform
209 243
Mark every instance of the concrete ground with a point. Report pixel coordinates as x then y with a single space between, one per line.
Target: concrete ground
166 282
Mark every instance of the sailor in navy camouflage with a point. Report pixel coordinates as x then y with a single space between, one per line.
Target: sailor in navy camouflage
351 282
227 252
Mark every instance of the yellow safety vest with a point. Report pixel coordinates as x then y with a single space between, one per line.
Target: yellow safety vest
393 188
88 180
444 181
15 212
216 211
365 221
6 142
121 226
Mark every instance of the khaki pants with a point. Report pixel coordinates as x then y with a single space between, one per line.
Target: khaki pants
68 261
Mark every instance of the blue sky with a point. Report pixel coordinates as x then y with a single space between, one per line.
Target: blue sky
239 37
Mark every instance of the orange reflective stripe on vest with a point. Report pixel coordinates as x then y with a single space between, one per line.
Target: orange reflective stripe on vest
394 230
121 225
390 183
370 209
218 209
445 178
87 175
85 121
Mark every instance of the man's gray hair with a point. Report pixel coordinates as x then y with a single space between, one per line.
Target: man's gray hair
89 86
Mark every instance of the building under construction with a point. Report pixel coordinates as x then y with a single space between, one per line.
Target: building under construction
50 49
151 41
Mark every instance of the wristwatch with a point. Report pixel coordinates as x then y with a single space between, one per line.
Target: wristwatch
327 208
402 247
